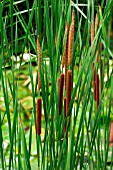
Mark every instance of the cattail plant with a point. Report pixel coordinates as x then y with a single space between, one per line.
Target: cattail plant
96 28
61 92
39 61
93 67
65 54
101 63
71 40
68 88
38 116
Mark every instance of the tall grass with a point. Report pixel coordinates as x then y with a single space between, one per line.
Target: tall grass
78 137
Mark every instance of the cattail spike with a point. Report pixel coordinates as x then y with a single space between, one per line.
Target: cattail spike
65 54
39 61
68 88
96 23
71 40
39 48
61 92
38 117
92 32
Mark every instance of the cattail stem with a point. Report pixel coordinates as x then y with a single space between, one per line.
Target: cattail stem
101 74
94 81
68 89
61 92
38 117
65 114
97 91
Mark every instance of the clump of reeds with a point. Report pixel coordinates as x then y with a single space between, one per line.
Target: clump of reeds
39 61
71 40
38 116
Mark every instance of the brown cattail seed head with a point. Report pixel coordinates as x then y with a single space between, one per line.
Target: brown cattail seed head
38 117
71 41
61 92
65 54
65 45
92 32
39 48
96 23
39 61
68 88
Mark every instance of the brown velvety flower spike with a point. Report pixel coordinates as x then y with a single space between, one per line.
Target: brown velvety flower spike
39 61
96 23
68 88
61 92
38 116
92 32
71 41
65 54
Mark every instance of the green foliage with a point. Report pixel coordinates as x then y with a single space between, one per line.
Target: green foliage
85 145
